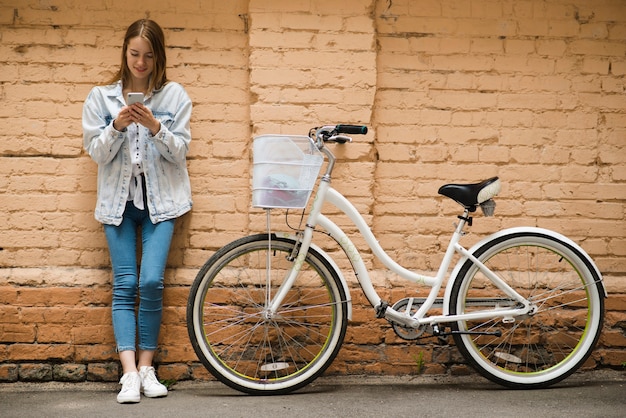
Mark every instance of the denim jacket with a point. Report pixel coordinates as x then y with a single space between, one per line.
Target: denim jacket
164 155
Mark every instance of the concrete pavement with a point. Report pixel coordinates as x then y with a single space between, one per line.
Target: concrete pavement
588 394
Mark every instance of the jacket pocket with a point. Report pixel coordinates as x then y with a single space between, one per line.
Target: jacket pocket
165 118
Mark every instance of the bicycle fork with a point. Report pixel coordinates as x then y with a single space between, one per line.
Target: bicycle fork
272 303
300 251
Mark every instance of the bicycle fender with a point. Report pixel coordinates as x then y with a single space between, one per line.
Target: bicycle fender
517 230
332 263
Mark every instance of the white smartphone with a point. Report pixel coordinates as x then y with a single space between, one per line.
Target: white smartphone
134 98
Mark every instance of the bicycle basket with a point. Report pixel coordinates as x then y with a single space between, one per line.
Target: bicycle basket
285 169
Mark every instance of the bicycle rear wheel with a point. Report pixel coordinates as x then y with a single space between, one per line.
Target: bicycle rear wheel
245 346
541 348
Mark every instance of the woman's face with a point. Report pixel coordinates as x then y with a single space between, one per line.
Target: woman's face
140 58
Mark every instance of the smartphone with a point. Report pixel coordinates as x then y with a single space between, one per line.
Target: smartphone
134 98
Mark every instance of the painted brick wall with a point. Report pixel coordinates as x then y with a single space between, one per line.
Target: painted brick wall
453 90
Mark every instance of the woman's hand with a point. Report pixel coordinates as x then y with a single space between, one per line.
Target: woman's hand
140 114
123 119
137 113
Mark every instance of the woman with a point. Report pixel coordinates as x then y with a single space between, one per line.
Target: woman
143 185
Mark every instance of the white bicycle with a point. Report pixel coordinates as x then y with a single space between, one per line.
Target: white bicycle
267 313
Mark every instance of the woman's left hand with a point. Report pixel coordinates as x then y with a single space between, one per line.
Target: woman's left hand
142 115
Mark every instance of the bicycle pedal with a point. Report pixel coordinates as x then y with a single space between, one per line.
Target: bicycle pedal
381 309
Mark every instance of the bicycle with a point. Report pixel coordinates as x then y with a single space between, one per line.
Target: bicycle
267 313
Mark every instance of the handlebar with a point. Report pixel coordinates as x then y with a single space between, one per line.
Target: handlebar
351 129
332 133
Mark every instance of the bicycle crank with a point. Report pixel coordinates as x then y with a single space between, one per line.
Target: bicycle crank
408 307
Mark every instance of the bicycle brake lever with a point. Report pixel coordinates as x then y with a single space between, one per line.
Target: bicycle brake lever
340 139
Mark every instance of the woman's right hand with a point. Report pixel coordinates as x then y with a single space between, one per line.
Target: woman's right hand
123 119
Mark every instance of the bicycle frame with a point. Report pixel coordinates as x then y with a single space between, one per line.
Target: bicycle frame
326 193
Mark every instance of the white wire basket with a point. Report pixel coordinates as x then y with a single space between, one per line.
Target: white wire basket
285 169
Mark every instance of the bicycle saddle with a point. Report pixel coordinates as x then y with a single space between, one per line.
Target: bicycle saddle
471 195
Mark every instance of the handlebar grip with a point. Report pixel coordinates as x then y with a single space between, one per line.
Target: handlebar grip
351 129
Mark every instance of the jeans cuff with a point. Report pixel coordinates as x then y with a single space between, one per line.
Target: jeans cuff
153 348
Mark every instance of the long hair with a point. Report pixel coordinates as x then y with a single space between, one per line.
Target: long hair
151 32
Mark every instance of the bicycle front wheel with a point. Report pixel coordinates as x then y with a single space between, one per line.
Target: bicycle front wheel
545 346
240 341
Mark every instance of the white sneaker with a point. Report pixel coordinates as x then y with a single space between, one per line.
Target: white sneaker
150 385
131 384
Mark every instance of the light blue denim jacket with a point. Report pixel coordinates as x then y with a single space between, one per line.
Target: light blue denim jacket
164 155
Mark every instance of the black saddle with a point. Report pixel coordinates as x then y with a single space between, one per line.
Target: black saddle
469 195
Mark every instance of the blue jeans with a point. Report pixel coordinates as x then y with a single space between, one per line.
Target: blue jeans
122 241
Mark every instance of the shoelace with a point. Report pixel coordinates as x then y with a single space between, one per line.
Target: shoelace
128 382
150 376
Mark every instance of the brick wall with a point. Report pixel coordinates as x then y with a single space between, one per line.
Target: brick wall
453 90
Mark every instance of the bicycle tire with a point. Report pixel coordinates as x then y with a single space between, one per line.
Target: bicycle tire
544 347
242 346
